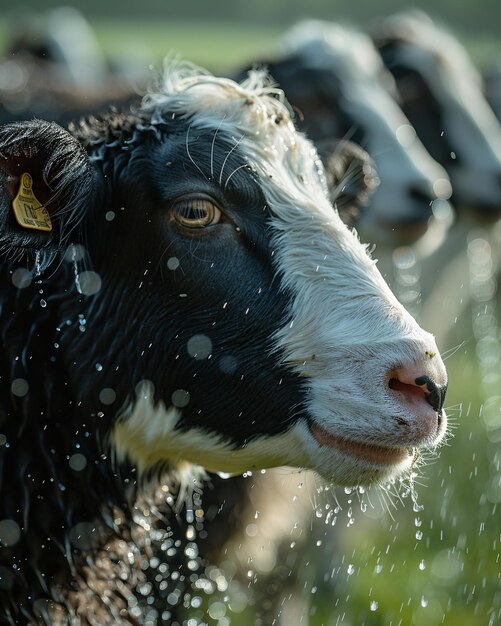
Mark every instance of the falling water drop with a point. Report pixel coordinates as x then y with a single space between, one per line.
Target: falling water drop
38 263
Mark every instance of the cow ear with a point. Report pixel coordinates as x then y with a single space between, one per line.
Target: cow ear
351 177
47 183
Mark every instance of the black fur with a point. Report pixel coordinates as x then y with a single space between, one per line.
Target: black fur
69 346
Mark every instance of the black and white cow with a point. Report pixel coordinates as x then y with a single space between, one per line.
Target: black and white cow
492 88
335 79
53 67
194 298
441 92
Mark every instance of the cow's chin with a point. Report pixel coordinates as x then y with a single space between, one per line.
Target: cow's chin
348 462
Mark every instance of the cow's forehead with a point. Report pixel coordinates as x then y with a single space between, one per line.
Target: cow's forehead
251 107
257 119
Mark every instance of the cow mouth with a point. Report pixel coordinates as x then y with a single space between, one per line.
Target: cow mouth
378 455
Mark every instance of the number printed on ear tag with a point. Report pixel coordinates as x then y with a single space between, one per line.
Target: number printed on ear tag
29 212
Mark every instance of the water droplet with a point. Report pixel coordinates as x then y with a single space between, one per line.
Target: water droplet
99 367
38 263
84 536
43 303
424 602
77 462
75 252
350 569
422 565
88 283
21 278
173 263
107 396
10 532
180 398
19 387
199 347
374 605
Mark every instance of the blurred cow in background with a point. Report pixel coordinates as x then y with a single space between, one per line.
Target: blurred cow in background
54 68
336 81
492 89
441 92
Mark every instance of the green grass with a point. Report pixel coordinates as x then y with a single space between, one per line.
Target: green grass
216 46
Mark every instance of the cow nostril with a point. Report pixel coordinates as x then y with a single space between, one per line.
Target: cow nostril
408 389
435 395
423 387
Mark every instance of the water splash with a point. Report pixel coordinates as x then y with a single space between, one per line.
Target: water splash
406 282
38 263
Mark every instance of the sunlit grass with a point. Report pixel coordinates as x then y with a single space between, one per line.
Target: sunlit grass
215 45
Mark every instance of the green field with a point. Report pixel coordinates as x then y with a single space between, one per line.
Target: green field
216 45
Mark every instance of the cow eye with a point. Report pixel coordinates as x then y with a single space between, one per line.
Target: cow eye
196 212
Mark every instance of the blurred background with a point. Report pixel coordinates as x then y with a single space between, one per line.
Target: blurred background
224 35
424 552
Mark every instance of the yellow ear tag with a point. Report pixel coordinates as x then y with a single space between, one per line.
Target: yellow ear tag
28 210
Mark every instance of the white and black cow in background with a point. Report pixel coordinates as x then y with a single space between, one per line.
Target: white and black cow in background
441 92
197 300
492 88
334 78
53 67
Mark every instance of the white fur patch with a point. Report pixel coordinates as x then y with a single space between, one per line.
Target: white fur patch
146 433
